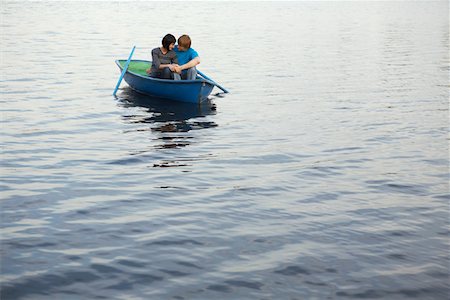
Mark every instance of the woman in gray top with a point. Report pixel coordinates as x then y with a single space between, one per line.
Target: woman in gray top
164 59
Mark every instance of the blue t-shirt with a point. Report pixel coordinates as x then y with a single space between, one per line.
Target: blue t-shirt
185 56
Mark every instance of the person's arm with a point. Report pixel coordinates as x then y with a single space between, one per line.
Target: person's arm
158 63
174 64
155 61
190 64
155 58
170 66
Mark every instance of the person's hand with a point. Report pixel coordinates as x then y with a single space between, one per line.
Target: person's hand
172 67
178 69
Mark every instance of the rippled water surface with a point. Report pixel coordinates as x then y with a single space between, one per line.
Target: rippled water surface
322 175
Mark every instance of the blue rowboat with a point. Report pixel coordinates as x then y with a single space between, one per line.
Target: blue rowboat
192 91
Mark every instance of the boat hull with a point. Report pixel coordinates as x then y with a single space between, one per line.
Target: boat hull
191 91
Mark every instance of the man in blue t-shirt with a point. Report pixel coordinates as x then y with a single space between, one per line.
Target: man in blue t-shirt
187 59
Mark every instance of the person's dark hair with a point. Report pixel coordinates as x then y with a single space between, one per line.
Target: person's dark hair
167 40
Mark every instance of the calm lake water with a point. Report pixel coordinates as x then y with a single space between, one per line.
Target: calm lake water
324 174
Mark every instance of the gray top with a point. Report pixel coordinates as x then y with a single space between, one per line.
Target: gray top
159 58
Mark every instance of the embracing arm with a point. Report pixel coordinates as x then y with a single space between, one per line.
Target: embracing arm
192 63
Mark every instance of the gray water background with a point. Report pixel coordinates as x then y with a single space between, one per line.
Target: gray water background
322 175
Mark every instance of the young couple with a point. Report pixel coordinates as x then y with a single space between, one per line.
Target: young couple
174 62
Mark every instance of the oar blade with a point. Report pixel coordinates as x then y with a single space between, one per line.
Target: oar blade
215 83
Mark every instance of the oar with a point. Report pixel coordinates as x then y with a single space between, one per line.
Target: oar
215 83
124 71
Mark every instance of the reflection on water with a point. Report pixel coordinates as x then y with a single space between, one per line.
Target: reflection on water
169 121
163 110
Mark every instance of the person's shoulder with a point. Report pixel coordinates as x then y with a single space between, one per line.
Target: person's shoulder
156 50
193 52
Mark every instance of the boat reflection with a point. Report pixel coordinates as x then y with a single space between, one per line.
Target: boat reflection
170 120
